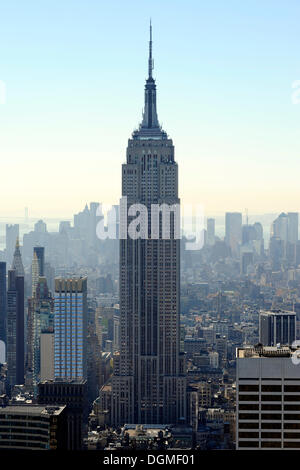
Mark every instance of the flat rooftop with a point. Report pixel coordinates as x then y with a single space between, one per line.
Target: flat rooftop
266 351
32 410
277 312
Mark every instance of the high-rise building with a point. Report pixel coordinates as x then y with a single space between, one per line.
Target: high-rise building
268 387
15 329
279 228
85 223
233 231
70 328
293 227
149 384
33 427
3 302
210 233
40 254
284 239
246 261
46 356
12 233
17 263
38 266
277 327
41 313
40 226
73 394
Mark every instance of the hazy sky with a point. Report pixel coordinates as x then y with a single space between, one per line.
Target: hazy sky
74 72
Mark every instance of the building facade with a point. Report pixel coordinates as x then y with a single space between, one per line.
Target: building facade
3 302
233 231
268 410
33 427
15 329
277 327
73 394
70 328
149 384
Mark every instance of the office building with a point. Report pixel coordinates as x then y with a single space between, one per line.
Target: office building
70 328
246 261
293 227
277 327
15 329
149 384
268 386
38 266
41 315
12 234
3 302
210 232
233 232
46 356
72 394
40 254
33 427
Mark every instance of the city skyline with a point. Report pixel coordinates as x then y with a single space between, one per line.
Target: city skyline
149 281
239 134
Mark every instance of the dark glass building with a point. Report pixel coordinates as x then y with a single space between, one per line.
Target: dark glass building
3 302
73 394
15 329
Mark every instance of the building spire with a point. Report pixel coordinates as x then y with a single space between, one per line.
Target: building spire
150 127
150 60
17 260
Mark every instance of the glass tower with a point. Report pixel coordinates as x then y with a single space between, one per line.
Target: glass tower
70 315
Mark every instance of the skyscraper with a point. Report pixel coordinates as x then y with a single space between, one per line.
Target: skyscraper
277 327
210 237
73 394
15 329
149 384
17 263
70 328
293 227
41 315
284 238
268 386
38 266
3 302
233 231
12 233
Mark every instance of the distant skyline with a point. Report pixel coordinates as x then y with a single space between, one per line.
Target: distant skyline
74 73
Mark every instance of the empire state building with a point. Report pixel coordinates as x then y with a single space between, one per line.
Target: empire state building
149 383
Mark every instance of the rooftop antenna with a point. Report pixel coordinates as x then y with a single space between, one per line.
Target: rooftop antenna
150 62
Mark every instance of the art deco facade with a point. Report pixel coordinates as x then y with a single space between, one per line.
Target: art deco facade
149 372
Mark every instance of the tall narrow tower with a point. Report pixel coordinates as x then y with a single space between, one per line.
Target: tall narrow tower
149 382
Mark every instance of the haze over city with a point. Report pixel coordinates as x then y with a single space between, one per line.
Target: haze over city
73 72
149 230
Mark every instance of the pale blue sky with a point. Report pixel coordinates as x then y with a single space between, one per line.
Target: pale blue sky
75 71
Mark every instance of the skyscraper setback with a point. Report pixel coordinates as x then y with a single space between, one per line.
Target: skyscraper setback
149 382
